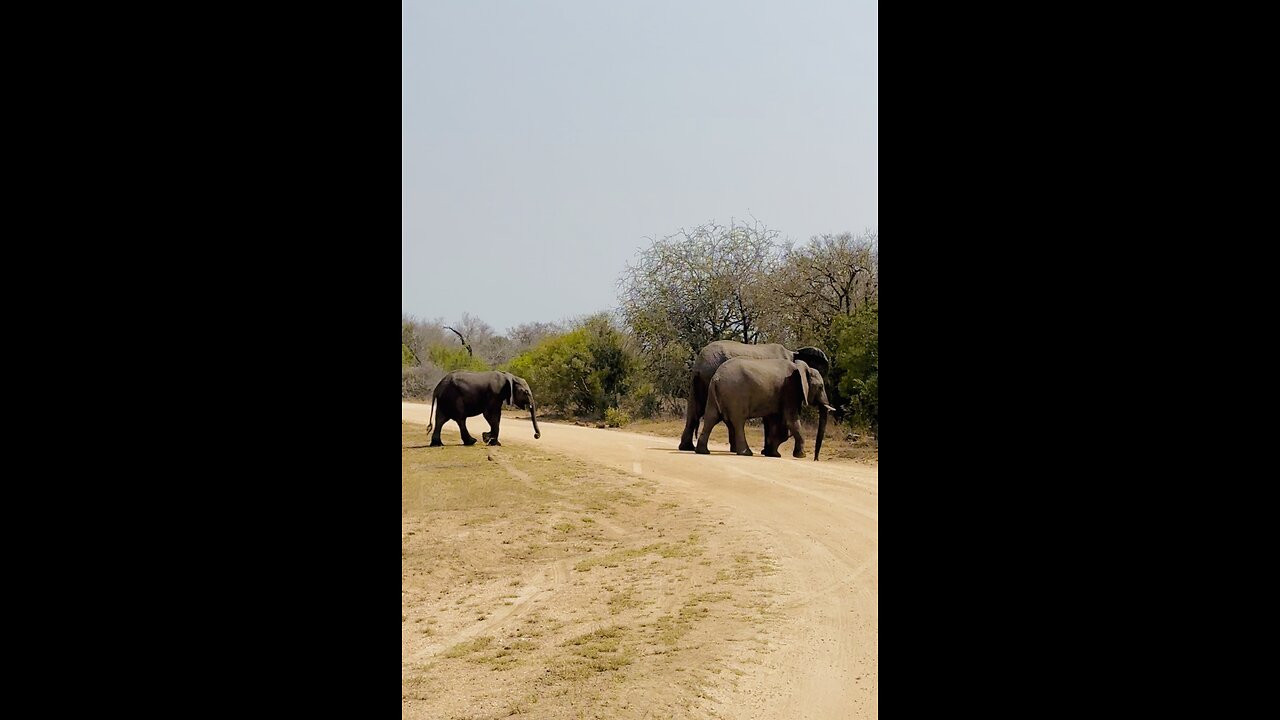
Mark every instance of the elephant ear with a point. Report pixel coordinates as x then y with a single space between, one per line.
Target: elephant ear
815 357
803 371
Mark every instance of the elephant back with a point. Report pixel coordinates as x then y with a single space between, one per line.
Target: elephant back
715 354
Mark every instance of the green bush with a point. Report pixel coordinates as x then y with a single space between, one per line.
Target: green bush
857 364
643 400
613 363
586 371
613 417
668 367
449 359
554 369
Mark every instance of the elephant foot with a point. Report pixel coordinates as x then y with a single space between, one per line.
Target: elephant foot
469 442
686 446
702 450
746 451
484 436
435 442
771 453
494 441
797 453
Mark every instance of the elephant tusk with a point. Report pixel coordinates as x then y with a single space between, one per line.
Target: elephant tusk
830 408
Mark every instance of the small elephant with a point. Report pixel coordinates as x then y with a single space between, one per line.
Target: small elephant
745 388
466 394
709 360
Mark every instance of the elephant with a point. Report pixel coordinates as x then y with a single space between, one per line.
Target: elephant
715 354
772 389
466 394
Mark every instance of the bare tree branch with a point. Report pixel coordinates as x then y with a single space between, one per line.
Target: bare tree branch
464 340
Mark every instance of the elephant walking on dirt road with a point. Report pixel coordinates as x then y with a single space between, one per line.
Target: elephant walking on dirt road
745 388
466 394
709 360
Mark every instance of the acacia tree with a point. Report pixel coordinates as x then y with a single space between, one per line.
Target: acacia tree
700 285
821 289
829 277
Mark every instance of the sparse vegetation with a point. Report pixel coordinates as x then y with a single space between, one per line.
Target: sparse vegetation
466 648
656 602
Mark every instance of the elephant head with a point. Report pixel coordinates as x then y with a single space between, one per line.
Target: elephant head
520 396
814 358
814 392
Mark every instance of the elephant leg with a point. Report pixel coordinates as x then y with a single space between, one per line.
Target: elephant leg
738 432
467 439
734 445
708 421
774 434
793 424
441 418
780 430
493 417
693 413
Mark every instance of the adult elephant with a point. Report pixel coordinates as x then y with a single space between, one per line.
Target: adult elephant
745 388
466 394
713 356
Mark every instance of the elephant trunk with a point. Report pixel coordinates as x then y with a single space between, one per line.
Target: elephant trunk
822 430
534 417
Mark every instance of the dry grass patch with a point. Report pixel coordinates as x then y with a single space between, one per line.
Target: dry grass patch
466 648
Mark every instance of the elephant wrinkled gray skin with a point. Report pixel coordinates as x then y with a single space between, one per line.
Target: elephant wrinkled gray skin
466 394
713 356
745 388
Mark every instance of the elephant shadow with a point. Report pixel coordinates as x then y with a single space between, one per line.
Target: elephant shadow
681 452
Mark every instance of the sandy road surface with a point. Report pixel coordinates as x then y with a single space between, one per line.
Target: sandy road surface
819 519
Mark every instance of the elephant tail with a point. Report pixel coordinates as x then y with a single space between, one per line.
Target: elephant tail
713 395
431 424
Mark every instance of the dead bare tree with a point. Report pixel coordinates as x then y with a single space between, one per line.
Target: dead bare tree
465 344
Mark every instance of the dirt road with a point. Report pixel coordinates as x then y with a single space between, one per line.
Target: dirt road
819 519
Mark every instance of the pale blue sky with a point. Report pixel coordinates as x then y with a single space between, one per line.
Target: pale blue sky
543 140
